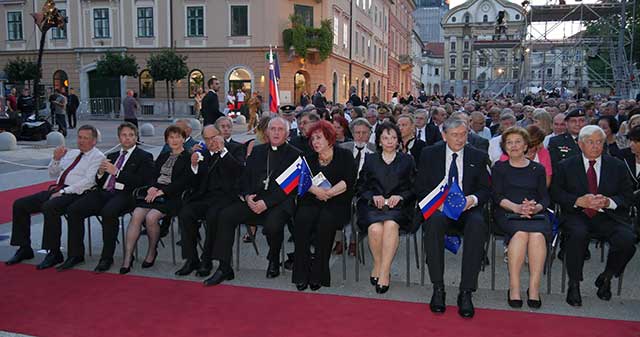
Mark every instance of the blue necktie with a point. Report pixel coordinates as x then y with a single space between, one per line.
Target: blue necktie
453 169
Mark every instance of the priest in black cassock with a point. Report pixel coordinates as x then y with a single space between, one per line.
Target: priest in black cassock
262 201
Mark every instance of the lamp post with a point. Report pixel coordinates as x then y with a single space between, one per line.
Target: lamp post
46 19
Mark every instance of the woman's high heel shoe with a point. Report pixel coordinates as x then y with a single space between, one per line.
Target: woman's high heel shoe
373 280
534 304
126 270
381 289
513 303
146 264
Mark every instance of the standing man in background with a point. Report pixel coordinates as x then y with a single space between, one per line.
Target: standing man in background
72 106
59 109
131 107
210 105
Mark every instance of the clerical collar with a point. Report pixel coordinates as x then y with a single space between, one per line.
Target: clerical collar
275 148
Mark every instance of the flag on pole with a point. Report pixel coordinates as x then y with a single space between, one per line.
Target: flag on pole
274 95
276 65
290 178
306 178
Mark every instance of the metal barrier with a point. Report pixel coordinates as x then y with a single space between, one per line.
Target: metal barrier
104 107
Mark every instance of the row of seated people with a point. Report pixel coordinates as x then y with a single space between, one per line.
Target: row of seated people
230 191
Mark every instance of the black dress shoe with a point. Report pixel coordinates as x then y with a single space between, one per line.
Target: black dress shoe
188 267
513 303
587 254
288 264
302 286
204 269
219 276
465 305
23 253
52 259
273 270
380 289
437 304
71 262
315 286
573 294
104 265
534 304
603 282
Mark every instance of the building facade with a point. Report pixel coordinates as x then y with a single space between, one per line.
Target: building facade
427 19
400 67
476 56
432 68
226 39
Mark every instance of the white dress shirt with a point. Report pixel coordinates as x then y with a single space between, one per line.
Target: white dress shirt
547 138
422 132
460 165
495 150
222 152
83 176
126 158
485 133
364 152
596 167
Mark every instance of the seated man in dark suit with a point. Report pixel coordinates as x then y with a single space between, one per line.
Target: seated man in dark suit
224 125
566 145
122 172
189 142
460 163
301 141
75 172
217 170
592 207
263 201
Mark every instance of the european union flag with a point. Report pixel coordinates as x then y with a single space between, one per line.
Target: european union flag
454 205
452 243
305 178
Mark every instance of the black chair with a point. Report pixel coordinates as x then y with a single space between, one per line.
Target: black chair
122 231
360 235
253 240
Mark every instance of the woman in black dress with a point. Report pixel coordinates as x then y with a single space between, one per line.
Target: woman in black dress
409 143
610 126
162 198
520 190
386 200
323 209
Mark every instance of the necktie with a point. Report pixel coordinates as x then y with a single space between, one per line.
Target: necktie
592 181
453 168
111 183
419 134
66 172
359 155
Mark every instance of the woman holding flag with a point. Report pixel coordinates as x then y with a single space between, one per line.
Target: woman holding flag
386 200
520 189
327 182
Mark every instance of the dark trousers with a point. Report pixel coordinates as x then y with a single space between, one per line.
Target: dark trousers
61 121
273 220
73 120
321 221
52 210
475 234
109 206
190 216
580 229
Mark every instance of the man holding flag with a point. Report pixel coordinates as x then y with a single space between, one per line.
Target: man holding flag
453 195
265 199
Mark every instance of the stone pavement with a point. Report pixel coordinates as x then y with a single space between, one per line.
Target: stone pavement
252 267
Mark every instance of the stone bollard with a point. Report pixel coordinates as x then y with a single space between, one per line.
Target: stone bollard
55 138
8 141
241 120
147 130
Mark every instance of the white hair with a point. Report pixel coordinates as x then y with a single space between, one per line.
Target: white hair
281 120
588 131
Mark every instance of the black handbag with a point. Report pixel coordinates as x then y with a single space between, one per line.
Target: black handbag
140 194
514 216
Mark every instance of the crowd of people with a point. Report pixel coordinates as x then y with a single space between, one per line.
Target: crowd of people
522 159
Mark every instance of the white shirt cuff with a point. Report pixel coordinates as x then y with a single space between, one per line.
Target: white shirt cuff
612 205
223 152
475 201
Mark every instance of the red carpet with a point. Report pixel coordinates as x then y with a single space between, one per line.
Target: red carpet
9 196
80 303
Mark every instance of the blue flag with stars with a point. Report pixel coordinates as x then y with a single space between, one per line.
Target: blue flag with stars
455 202
305 178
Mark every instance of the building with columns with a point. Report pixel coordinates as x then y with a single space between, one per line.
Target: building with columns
225 39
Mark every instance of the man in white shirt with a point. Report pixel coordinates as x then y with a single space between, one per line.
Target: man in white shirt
477 125
559 127
495 151
75 171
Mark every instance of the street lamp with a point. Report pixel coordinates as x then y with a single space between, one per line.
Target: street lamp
49 17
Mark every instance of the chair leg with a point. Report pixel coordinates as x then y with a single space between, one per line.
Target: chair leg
238 248
564 274
173 241
89 236
422 258
415 247
493 262
601 251
124 244
357 264
407 241
345 252
253 239
620 284
282 256
548 268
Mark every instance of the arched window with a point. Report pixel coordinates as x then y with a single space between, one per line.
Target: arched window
485 18
61 80
240 79
466 18
147 86
196 81
335 88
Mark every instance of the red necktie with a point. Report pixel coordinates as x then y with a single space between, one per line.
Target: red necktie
592 180
64 174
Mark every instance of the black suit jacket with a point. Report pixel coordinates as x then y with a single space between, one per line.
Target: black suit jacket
135 172
226 170
475 177
433 134
570 182
416 146
630 162
180 175
210 108
562 147
478 142
256 171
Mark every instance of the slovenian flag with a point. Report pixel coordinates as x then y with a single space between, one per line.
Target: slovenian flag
435 199
290 178
274 94
306 179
